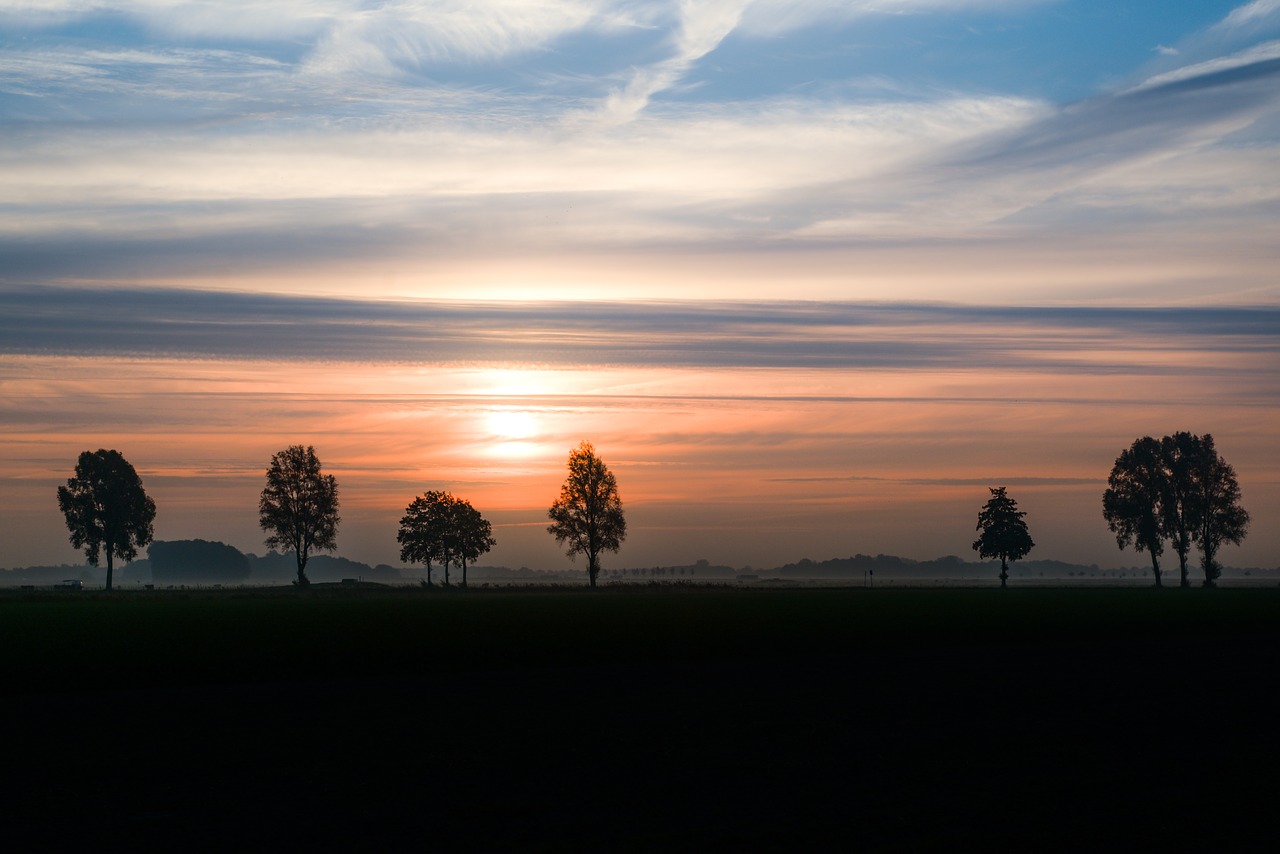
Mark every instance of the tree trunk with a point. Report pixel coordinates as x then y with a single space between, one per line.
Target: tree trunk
303 581
1155 568
1182 565
464 572
593 569
109 567
1004 572
1211 569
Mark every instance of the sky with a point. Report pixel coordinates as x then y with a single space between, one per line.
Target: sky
812 276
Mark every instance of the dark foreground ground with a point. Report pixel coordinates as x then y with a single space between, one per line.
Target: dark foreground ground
671 719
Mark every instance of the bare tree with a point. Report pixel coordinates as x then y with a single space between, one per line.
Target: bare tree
588 514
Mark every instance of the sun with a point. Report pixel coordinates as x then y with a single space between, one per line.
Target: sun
512 424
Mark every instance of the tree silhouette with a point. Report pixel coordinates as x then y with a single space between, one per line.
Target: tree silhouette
299 505
1004 533
474 535
436 526
588 513
106 508
1133 504
422 530
1181 505
1220 517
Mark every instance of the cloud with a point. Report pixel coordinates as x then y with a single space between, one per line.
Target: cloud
190 324
410 139
952 481
1113 151
1220 70
409 35
1250 13
702 25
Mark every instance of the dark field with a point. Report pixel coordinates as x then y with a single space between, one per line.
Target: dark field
645 718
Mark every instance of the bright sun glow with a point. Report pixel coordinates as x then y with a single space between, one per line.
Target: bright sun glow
513 424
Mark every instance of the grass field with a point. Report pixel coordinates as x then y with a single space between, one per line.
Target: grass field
648 718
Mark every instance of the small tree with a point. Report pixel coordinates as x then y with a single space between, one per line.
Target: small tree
106 508
1004 533
588 513
1133 504
299 506
1221 518
439 527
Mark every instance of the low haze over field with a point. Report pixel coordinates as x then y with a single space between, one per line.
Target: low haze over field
810 276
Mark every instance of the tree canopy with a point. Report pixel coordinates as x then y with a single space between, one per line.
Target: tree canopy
1177 488
299 505
1004 532
106 508
1181 507
1220 517
1134 503
439 527
588 514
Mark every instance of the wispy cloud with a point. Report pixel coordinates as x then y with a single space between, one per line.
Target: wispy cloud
249 142
190 324
1251 13
1217 72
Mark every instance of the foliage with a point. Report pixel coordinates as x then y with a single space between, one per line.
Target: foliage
1004 532
106 508
588 514
1178 487
299 505
1220 517
1181 508
1134 503
439 527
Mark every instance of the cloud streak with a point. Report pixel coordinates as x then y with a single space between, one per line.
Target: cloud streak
190 324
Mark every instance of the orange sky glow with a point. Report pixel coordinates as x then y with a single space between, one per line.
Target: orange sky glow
745 466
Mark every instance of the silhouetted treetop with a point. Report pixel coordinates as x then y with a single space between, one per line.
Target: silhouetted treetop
439 527
1221 518
1134 503
1177 488
588 514
106 508
1004 533
299 505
